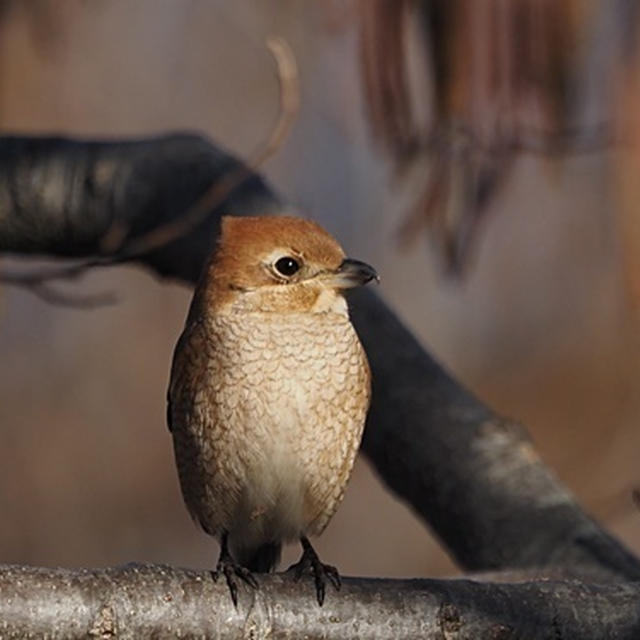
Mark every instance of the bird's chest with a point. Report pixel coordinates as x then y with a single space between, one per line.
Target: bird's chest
274 380
270 420
279 393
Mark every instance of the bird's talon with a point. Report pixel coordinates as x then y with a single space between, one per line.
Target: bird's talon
321 572
231 570
233 587
333 575
247 576
298 569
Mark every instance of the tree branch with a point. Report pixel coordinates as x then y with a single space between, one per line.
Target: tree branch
474 476
140 601
62 197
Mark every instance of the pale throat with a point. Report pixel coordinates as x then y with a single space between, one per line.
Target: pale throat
290 299
330 301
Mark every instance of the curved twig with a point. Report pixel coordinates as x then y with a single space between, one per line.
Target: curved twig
116 246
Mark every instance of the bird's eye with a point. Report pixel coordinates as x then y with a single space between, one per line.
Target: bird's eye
287 266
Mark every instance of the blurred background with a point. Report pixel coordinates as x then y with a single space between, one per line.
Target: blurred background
482 155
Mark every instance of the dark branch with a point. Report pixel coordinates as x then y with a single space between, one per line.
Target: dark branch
63 198
150 602
474 476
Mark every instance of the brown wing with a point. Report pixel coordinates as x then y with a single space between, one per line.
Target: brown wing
197 425
174 374
188 361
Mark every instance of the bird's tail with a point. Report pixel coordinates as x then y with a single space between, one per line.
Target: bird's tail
261 560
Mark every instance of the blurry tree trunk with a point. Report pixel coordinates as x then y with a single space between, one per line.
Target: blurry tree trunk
503 79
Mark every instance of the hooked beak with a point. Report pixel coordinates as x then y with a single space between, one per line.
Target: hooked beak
353 273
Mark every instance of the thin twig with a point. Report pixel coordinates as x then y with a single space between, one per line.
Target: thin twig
36 283
287 73
566 141
220 189
76 301
452 149
36 277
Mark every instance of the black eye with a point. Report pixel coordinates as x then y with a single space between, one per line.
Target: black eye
287 266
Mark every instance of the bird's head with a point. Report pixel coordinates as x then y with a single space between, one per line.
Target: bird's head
281 264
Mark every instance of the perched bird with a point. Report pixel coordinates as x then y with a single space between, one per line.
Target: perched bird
269 392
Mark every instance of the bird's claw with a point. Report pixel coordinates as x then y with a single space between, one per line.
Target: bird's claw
231 570
321 572
334 577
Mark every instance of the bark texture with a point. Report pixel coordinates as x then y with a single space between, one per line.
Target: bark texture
140 601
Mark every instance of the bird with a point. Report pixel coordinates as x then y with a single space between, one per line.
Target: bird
268 394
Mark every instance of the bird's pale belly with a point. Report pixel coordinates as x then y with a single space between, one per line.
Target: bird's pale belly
275 503
280 413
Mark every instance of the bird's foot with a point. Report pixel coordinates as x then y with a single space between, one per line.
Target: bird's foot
231 569
321 572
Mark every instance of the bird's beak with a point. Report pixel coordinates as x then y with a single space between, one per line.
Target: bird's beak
353 273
